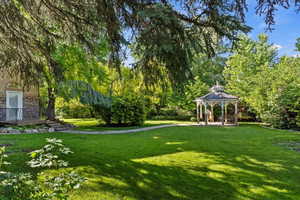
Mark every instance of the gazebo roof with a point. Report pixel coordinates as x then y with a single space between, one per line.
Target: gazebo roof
217 94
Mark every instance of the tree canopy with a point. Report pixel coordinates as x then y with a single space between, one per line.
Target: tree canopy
266 83
163 31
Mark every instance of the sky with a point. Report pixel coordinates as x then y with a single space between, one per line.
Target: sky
286 30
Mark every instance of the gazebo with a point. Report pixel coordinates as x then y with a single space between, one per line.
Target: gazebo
217 96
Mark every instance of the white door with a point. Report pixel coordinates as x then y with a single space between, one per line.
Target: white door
14 105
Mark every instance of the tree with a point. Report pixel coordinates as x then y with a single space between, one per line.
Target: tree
248 59
193 89
163 32
283 94
269 87
209 70
298 44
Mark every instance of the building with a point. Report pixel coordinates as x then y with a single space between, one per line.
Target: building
18 103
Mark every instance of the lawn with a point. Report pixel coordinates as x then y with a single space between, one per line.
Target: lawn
207 163
91 124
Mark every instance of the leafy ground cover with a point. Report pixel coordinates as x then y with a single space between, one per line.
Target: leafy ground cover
247 162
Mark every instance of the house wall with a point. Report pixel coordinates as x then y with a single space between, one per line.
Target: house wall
30 96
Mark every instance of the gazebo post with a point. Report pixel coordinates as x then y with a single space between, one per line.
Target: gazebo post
212 112
201 113
226 112
222 107
236 114
197 105
205 113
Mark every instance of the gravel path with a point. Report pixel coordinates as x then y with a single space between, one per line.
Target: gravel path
125 131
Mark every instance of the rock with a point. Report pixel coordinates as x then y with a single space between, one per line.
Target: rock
14 131
4 131
43 130
35 131
28 131
50 130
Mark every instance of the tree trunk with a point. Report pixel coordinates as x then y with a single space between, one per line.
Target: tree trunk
50 112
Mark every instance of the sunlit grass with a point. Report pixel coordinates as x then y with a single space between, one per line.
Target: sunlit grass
92 124
210 163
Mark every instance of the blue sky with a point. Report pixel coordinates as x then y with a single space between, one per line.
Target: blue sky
287 28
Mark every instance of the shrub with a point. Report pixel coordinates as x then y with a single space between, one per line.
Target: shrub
193 119
73 109
125 111
283 108
178 117
17 186
172 113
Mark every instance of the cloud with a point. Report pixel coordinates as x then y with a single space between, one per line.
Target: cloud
296 55
277 46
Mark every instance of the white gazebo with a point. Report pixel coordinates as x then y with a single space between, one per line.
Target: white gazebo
217 96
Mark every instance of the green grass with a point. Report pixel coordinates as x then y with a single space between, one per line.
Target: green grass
205 163
97 125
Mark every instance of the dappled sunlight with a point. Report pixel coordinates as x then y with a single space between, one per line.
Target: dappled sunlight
232 171
175 143
182 163
275 189
255 163
190 159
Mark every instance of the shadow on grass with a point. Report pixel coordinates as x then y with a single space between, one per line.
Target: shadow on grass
225 167
148 181
228 179
221 163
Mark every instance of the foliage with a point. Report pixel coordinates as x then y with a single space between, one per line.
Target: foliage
244 68
73 109
209 70
48 156
129 111
84 92
24 186
192 25
283 95
185 100
249 58
269 87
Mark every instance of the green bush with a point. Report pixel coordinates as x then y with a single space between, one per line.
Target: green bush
283 110
73 109
193 119
172 113
178 117
125 111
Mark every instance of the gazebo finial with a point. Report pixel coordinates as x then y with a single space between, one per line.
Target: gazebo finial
217 87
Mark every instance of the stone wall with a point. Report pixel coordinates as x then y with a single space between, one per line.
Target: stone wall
31 107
